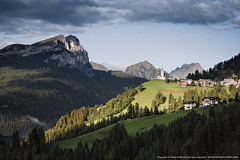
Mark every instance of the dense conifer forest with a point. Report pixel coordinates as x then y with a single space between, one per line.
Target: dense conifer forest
215 133
29 86
81 121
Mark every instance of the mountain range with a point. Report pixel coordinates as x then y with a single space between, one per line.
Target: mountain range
182 72
147 70
43 81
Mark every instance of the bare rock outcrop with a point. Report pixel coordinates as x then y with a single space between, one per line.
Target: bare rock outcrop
72 54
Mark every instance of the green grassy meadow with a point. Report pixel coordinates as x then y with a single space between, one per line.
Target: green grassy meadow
145 97
132 126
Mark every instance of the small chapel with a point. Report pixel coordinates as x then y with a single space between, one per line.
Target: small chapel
161 75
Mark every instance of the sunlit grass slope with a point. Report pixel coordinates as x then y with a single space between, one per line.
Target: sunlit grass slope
145 97
132 126
41 43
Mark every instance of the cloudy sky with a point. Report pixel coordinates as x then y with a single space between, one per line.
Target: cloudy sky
118 33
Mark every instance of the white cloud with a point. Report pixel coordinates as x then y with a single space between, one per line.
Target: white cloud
114 65
34 120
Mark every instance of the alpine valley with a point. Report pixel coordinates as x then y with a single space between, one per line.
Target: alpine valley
52 83
43 81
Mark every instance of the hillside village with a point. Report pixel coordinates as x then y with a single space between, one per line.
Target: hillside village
230 80
206 101
210 83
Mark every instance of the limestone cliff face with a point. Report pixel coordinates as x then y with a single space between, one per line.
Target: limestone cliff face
71 54
74 55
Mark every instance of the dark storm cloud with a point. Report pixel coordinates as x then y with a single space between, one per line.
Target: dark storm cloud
14 14
55 11
179 11
19 16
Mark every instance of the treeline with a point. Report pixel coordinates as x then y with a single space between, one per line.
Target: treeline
221 92
75 124
159 99
32 148
197 96
215 133
174 104
219 71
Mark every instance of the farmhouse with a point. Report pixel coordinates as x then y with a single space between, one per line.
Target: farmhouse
208 101
189 105
228 81
234 75
183 84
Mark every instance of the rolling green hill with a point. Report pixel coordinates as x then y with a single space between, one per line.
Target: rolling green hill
145 97
132 126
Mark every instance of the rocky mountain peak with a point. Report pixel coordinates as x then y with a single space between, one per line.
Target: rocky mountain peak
74 39
143 69
72 53
183 71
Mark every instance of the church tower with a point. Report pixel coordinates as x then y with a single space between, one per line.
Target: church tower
162 72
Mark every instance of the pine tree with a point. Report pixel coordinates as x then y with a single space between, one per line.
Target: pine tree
199 142
131 87
211 112
153 103
166 78
15 141
196 98
137 109
170 98
146 111
130 111
201 97
156 112
185 96
180 102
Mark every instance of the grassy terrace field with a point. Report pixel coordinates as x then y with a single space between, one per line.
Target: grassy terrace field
132 126
145 97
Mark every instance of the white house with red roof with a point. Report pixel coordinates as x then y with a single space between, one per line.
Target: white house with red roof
208 101
189 105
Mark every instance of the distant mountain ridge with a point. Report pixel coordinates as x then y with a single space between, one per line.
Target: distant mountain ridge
143 69
183 71
98 66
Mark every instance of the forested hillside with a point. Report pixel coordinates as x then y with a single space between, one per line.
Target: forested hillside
220 70
29 86
81 121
